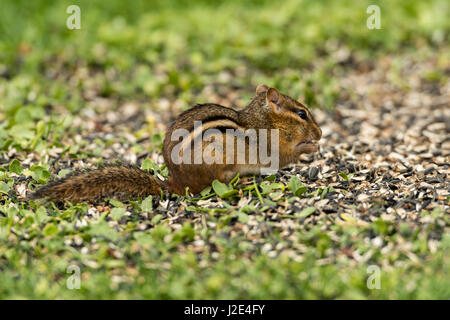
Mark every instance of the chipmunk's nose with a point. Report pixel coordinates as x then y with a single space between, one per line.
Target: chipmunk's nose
318 134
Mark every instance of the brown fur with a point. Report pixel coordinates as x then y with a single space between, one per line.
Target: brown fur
269 109
119 181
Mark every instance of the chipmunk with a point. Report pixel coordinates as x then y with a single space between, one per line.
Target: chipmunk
296 133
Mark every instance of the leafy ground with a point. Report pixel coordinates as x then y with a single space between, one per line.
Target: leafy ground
376 194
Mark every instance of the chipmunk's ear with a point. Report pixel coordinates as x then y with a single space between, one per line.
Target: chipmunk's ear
274 99
300 99
261 88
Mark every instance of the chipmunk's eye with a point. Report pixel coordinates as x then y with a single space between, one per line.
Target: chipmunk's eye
302 114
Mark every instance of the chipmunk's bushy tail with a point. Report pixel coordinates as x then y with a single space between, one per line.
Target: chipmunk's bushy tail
122 181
